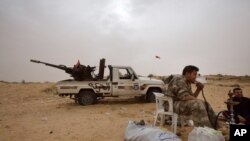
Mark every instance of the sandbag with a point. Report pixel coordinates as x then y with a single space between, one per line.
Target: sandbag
205 134
138 132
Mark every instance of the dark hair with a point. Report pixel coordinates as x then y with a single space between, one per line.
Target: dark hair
189 69
236 89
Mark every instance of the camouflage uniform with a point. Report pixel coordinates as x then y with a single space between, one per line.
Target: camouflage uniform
196 109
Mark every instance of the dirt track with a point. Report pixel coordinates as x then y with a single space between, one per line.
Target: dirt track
27 113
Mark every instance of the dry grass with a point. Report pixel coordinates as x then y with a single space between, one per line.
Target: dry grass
26 113
50 90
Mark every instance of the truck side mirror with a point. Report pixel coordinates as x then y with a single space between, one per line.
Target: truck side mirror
133 77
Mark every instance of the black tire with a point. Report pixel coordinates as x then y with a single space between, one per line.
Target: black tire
87 98
150 95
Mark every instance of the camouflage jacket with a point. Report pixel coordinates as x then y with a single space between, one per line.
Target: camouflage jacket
179 88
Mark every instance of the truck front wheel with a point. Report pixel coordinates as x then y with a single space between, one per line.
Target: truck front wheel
87 98
150 97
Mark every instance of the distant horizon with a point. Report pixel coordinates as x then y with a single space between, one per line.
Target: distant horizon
27 81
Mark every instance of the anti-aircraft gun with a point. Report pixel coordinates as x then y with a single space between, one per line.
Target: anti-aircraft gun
78 72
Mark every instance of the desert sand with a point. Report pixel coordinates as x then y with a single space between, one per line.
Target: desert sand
32 112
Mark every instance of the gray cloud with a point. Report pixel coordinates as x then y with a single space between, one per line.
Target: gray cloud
213 35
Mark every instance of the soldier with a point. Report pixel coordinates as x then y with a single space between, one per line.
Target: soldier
186 102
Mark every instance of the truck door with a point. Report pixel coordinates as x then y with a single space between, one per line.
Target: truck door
123 84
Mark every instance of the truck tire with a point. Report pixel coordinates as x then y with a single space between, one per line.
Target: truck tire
150 97
87 98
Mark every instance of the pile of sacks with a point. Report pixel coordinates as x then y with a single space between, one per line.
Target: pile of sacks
205 134
139 131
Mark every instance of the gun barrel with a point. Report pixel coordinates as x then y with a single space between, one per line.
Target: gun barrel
62 67
35 61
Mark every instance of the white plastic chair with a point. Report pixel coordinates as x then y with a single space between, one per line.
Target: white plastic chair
160 111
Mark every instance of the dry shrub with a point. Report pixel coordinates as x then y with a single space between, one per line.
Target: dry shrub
50 90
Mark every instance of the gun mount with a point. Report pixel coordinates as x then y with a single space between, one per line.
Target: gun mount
78 72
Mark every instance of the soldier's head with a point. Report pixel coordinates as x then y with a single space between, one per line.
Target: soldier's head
237 92
190 73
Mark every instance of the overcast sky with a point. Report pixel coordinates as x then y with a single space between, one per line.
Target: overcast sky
211 34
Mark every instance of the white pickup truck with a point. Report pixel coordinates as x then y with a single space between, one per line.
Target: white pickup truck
122 81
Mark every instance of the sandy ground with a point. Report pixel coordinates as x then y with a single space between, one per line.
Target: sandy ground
28 113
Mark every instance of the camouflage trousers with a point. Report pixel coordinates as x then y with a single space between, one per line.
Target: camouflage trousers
196 110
